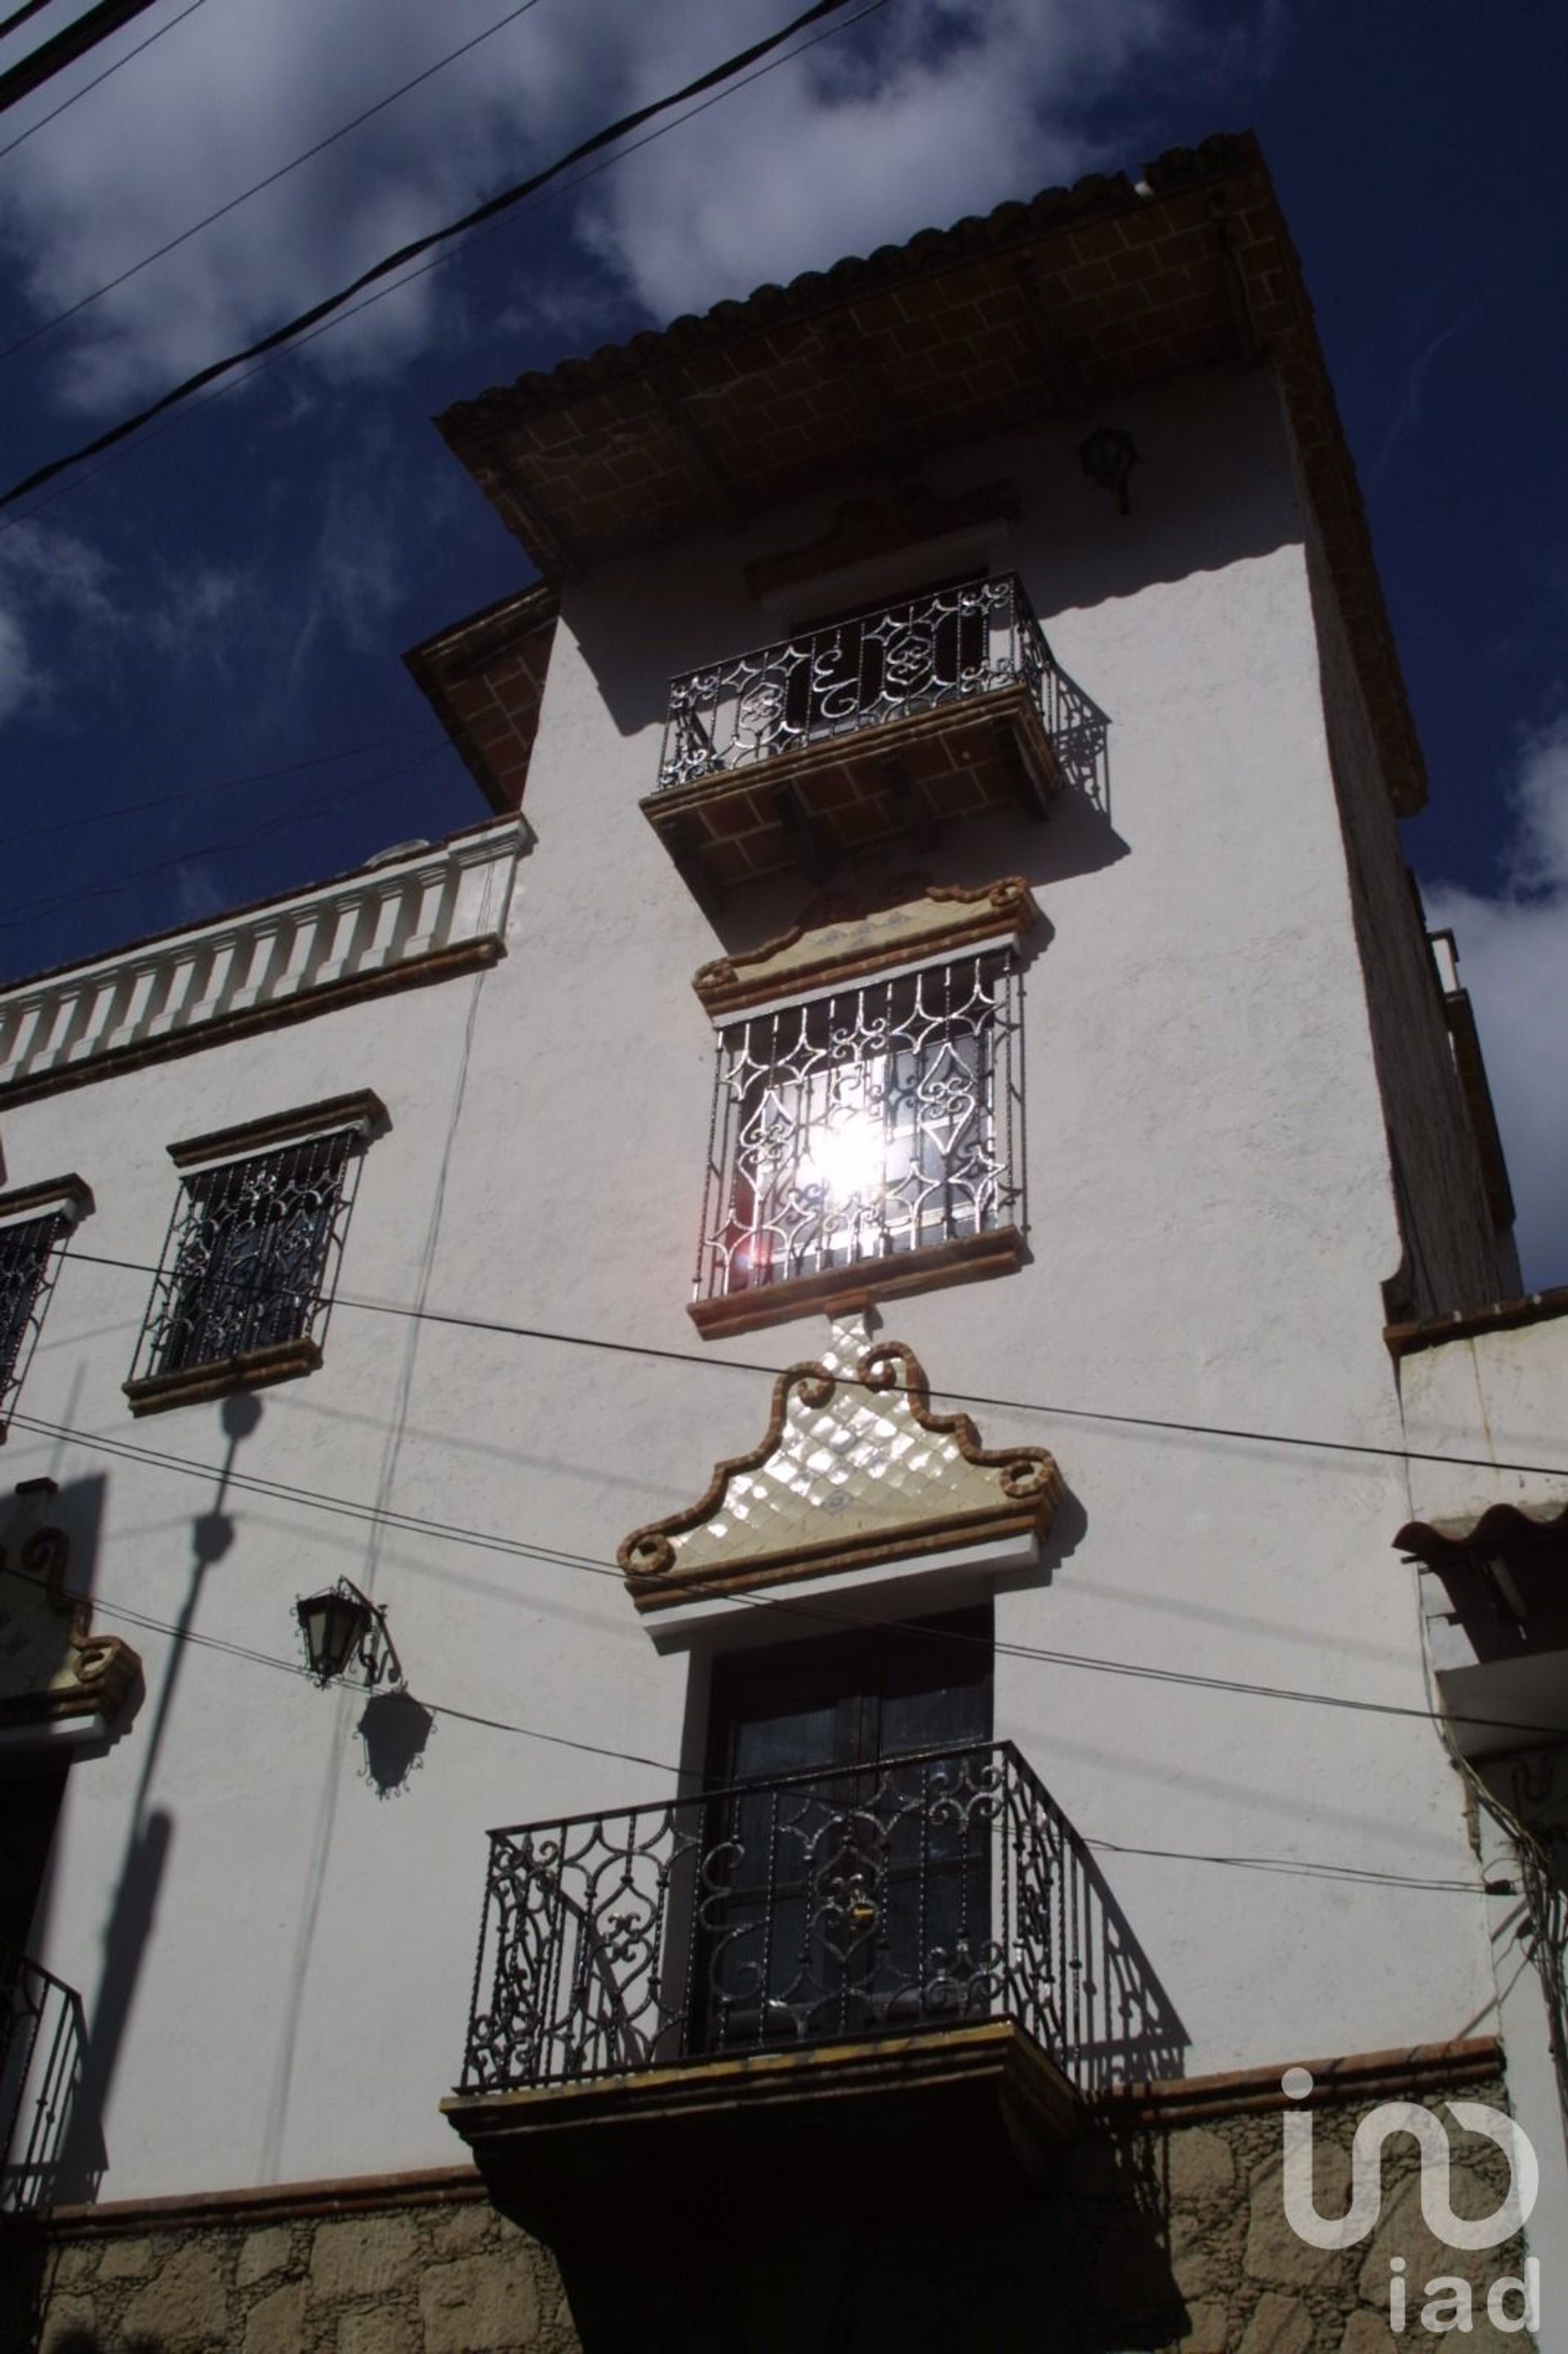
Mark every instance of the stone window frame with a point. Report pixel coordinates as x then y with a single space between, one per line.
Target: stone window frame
330 1135
36 1222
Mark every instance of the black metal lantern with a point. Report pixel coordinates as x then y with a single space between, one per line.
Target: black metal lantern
342 1630
1108 457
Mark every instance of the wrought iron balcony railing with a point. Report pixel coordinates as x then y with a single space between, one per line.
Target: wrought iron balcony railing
926 1891
945 647
42 2040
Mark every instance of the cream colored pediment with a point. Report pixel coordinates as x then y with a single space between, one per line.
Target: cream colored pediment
855 1469
52 1666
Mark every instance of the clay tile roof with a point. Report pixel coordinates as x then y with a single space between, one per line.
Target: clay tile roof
1053 307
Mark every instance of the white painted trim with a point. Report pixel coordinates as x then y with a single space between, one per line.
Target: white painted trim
895 1589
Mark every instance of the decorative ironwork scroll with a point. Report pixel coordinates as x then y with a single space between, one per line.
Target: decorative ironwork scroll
251 1249
42 2038
923 1891
946 646
877 1119
30 1253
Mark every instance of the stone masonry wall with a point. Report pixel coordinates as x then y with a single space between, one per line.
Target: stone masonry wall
448 2278
1160 2234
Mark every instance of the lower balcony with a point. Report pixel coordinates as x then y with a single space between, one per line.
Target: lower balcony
787 1982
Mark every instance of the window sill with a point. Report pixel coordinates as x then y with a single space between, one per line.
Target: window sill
860 1285
254 1369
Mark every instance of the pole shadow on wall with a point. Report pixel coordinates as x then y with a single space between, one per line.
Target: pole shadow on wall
149 1840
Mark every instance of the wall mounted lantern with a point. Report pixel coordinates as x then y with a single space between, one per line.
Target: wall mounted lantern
1108 457
344 1630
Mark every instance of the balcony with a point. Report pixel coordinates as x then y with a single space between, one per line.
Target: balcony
896 721
791 1975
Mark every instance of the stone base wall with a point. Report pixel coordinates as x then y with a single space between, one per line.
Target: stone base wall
1250 2285
444 2275
1164 2229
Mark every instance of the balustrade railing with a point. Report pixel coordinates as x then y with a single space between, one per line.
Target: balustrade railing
41 2060
943 647
923 1892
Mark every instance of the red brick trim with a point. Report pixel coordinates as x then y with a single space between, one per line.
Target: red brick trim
846 1290
362 1108
284 2202
255 1369
1466 1324
1414 2068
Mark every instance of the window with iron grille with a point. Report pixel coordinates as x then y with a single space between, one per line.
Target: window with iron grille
870 1121
29 1250
244 1290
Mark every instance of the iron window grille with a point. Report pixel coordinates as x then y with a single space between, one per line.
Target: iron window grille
930 1889
872 1120
942 646
252 1256
29 1259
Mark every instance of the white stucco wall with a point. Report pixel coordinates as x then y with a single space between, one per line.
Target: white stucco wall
1210 1219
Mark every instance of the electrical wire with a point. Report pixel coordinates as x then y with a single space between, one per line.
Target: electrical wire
319 311
85 33
22 16
204 791
307 156
97 79
279 824
438 261
492 1541
1354 1875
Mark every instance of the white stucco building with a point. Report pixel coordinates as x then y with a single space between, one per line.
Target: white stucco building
1006 986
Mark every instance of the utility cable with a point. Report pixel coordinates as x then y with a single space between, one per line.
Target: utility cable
47 326
1354 1875
336 800
22 16
63 48
204 789
441 260
400 259
55 112
959 1397
492 1541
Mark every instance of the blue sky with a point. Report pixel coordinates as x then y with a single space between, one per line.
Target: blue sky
203 634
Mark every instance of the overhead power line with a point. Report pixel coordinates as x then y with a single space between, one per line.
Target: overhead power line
1291 1866
817 1613
392 262
47 326
63 48
22 16
203 789
55 112
281 823
958 1397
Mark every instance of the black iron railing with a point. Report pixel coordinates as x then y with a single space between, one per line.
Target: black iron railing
926 1891
40 2061
945 646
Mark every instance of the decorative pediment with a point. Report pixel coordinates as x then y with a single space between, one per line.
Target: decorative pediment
841 937
855 1469
885 522
52 1666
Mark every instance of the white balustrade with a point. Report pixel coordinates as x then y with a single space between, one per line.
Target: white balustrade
381 920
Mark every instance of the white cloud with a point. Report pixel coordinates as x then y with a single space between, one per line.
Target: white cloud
969 103
53 588
936 107
1513 949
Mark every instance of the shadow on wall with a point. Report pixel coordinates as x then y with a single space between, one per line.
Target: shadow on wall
148 1838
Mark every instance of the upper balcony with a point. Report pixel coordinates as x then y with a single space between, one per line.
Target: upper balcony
895 721
915 1955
